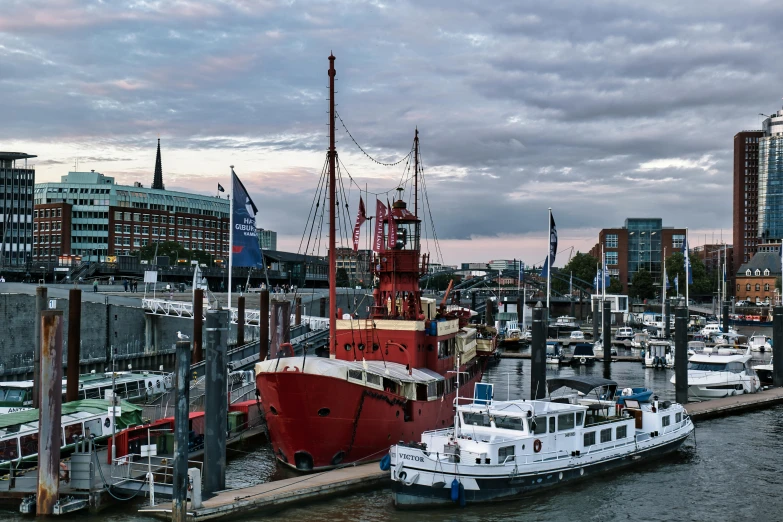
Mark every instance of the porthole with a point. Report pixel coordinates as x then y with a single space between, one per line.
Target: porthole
398 413
361 347
324 412
348 347
375 347
273 410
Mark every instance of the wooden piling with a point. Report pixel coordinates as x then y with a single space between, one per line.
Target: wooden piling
74 344
49 414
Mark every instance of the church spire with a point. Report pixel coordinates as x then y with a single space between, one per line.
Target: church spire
157 182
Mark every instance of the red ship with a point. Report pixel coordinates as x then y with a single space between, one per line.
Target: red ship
389 377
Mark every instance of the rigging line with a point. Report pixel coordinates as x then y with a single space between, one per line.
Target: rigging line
365 152
376 194
429 208
313 207
319 231
347 224
318 193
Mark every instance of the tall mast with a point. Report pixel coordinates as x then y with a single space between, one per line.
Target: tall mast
332 253
416 174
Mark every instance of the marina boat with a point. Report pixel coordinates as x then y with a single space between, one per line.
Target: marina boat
598 347
634 394
764 372
583 355
695 346
624 333
486 342
760 343
513 336
659 355
554 353
577 335
566 323
713 376
640 340
389 377
133 386
19 430
502 450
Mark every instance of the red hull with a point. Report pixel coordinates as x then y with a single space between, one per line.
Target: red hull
361 422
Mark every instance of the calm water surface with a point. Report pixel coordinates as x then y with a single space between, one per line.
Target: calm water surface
732 471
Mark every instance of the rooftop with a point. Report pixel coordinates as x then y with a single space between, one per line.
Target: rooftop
15 155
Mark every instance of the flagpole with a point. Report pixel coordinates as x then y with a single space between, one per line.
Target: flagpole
665 279
603 275
230 240
687 268
549 260
524 300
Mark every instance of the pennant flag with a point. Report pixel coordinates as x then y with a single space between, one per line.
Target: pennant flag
550 260
688 274
545 268
607 282
245 250
677 283
360 219
392 227
220 188
380 218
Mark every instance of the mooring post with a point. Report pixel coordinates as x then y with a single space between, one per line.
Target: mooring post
777 346
297 311
241 320
198 326
49 414
596 318
323 307
725 317
667 311
681 354
280 328
263 325
74 344
488 313
40 305
216 409
181 431
606 332
538 353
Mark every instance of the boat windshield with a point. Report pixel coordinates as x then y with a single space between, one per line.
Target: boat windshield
476 419
510 423
707 366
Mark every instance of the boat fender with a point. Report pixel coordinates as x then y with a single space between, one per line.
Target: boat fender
462 500
455 486
582 360
537 445
386 463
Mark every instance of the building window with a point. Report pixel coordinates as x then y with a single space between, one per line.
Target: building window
611 240
766 271
758 287
611 258
766 287
747 287
758 272
747 272
738 288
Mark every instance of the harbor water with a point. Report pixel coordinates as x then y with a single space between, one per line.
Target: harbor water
731 470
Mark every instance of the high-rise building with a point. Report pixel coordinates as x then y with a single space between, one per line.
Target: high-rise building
640 244
770 179
17 180
267 239
745 198
504 264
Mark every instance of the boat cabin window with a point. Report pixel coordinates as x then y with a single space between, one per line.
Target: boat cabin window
735 367
510 423
580 415
606 435
552 425
565 421
14 396
665 420
355 374
476 419
538 425
72 431
93 393
505 454
707 366
589 438
434 389
390 386
29 444
445 348
9 449
373 379
421 392
621 432
678 417
93 427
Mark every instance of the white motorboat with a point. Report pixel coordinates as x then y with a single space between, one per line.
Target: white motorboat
760 343
566 323
505 449
577 335
659 354
764 371
640 340
624 333
554 353
711 376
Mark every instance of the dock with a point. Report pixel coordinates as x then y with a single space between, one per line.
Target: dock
615 358
281 494
734 405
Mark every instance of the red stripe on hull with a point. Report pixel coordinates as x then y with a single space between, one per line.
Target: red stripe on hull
308 440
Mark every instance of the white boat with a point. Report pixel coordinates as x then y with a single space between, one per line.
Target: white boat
640 340
577 335
764 371
760 343
712 376
554 353
129 385
659 355
624 333
501 450
566 323
695 346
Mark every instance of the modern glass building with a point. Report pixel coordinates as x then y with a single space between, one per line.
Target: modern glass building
16 208
770 187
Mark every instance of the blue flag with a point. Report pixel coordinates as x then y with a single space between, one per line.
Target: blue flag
685 254
245 249
545 268
550 260
677 283
607 281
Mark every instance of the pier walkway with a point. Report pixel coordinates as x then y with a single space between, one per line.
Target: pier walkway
734 405
282 493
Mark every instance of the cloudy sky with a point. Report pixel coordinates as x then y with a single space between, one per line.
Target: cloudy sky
599 109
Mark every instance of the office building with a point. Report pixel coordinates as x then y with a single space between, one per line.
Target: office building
96 218
17 180
640 244
267 239
770 179
355 264
505 264
745 197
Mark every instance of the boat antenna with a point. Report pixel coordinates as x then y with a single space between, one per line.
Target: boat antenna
416 173
332 249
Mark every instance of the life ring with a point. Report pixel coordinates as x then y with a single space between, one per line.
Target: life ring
537 445
582 360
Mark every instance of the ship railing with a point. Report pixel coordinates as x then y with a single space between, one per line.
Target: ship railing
134 468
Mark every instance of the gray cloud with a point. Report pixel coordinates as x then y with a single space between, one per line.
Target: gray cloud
521 105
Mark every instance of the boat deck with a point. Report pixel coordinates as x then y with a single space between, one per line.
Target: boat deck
281 493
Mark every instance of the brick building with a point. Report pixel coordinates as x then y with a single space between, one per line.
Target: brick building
755 280
51 230
745 197
713 258
640 244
